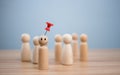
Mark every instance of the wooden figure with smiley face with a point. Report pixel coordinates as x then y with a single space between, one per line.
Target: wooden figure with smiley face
43 53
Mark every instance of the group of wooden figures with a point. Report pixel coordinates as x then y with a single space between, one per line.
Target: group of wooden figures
65 55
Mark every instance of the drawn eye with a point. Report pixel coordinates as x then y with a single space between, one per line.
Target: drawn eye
44 38
41 38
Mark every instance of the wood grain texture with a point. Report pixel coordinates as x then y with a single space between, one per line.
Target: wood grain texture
100 62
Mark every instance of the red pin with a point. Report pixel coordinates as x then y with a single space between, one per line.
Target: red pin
48 27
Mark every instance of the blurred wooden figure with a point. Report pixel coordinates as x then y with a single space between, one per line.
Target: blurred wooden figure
43 53
26 52
83 48
67 54
58 48
36 49
75 46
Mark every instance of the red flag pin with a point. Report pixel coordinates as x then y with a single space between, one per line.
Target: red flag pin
48 27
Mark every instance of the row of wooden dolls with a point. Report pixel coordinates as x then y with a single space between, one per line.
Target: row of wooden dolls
63 55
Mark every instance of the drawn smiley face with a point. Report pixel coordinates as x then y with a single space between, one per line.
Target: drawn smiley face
43 40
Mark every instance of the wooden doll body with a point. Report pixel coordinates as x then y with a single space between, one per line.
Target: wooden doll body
26 52
43 53
83 48
36 54
75 46
36 49
58 52
43 58
84 51
58 48
67 54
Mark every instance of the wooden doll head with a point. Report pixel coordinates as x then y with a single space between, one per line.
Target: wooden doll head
43 40
25 37
36 40
74 36
67 38
83 37
58 38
